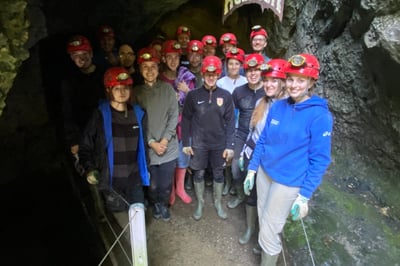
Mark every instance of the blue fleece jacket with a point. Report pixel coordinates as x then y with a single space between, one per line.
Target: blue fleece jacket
105 109
295 146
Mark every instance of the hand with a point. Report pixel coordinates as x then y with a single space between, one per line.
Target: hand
248 183
299 208
183 87
158 148
93 177
74 149
241 163
228 154
188 151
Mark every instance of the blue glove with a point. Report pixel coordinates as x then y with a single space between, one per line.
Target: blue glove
299 208
249 182
241 163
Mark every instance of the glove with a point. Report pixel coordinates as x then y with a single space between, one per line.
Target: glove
93 177
228 155
249 182
188 151
241 163
299 208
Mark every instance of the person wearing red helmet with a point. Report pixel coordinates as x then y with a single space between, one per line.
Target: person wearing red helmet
107 54
112 149
81 90
183 37
195 53
291 155
210 44
182 80
244 99
234 61
259 41
273 76
158 98
208 127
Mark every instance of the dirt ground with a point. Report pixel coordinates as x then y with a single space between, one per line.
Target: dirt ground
210 241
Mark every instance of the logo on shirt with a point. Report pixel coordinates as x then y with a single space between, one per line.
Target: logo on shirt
220 101
135 127
326 134
274 122
200 102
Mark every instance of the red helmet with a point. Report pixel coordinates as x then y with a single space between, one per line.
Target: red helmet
117 76
228 38
182 29
235 53
303 64
275 68
78 43
211 63
253 60
171 46
258 30
105 31
209 40
195 46
148 54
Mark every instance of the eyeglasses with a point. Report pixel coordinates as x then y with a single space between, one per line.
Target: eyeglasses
122 76
297 60
126 55
261 39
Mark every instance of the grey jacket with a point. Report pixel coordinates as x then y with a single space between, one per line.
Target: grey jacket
161 106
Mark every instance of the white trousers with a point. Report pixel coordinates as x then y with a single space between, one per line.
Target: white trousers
274 202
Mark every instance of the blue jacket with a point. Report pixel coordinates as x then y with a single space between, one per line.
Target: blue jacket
105 109
295 146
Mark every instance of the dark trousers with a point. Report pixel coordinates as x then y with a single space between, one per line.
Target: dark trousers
161 182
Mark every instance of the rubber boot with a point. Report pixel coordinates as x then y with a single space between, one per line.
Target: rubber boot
218 187
172 196
257 249
268 260
199 190
251 218
180 185
239 197
228 180
188 180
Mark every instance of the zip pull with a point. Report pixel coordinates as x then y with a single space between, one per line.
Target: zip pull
210 94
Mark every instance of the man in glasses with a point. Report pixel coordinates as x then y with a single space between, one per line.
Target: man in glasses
259 41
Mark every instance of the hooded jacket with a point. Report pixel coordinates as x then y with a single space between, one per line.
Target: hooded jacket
96 149
295 146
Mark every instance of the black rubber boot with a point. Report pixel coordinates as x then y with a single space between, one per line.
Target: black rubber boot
251 218
188 180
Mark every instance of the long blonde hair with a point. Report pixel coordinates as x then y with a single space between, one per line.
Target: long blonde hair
265 102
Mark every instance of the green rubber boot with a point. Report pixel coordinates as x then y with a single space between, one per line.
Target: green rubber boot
240 197
218 187
199 190
251 218
268 260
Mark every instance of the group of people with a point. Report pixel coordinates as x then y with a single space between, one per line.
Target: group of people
175 106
